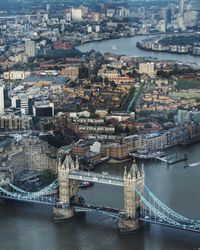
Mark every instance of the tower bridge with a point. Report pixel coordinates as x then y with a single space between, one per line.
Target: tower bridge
140 204
69 175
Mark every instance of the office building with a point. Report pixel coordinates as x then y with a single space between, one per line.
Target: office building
147 68
43 109
76 14
15 122
16 75
168 15
1 99
30 50
181 7
71 72
162 26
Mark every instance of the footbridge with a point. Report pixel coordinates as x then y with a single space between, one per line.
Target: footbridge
96 178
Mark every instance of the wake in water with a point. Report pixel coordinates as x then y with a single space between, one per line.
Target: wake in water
105 221
196 164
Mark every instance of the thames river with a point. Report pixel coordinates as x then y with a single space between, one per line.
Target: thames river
127 46
31 227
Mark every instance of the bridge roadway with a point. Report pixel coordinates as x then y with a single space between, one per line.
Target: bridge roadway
112 212
97 178
182 225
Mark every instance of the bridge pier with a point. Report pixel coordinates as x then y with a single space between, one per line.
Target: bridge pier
61 213
68 189
129 226
134 179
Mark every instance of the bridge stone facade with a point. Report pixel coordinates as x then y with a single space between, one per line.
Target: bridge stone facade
68 192
133 179
68 189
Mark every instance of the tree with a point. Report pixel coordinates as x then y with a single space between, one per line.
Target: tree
148 125
106 80
94 116
113 84
1 70
72 84
118 129
134 130
127 130
124 67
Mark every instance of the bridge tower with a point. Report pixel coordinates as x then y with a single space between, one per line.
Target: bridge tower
133 179
68 189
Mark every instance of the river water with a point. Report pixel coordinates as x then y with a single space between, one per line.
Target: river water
31 227
127 46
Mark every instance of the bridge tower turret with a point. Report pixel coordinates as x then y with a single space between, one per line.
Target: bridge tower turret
68 189
133 179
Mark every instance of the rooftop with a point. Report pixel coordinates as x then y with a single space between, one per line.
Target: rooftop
54 79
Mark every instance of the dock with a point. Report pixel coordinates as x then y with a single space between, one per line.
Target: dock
147 155
173 161
159 155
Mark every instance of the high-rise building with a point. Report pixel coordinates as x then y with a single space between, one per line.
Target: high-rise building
68 16
48 6
147 68
181 6
96 17
24 105
123 12
162 26
180 22
183 116
30 48
43 109
1 99
77 14
169 15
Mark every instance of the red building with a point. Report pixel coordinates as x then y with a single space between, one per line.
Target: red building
62 45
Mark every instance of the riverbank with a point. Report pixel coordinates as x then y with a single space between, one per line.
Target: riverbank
114 161
175 44
127 46
101 39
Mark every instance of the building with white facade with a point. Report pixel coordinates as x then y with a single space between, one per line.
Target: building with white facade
30 49
16 75
181 6
147 68
162 26
1 99
76 14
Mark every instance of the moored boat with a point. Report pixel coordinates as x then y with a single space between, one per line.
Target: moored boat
85 184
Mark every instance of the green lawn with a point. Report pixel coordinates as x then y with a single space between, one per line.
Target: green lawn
186 95
188 84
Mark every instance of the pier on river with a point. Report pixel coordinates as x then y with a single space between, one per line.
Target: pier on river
173 160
